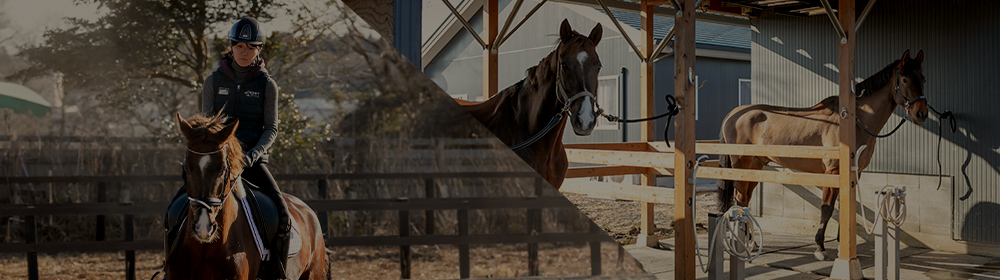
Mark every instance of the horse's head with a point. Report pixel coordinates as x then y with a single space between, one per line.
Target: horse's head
909 87
212 164
577 66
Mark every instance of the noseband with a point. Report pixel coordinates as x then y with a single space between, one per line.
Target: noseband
210 202
907 102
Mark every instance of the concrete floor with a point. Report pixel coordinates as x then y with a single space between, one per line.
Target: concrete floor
791 257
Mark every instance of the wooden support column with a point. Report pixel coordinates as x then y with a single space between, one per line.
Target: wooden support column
646 109
491 15
684 140
847 266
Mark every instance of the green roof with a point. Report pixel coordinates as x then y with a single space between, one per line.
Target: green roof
23 100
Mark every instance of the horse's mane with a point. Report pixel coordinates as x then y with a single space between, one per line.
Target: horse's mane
203 127
876 81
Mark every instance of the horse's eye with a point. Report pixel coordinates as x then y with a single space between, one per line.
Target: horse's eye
905 81
564 65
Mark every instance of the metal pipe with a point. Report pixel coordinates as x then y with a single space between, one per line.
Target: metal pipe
526 17
663 43
864 14
506 24
465 23
833 20
622 30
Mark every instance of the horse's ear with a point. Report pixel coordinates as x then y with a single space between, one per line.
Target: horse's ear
920 57
227 131
184 126
595 35
903 60
565 31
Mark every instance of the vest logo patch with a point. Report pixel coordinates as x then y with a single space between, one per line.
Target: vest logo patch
253 94
223 91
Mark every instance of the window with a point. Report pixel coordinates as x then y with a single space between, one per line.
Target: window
608 96
744 92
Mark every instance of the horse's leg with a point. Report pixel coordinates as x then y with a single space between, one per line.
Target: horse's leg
826 212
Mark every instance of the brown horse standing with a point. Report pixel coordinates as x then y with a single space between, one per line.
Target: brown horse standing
215 241
898 84
565 81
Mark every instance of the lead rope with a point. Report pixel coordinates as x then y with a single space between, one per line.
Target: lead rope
672 110
941 117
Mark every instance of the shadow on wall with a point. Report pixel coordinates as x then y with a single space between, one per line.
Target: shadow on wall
982 216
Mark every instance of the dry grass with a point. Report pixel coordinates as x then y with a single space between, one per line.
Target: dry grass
621 219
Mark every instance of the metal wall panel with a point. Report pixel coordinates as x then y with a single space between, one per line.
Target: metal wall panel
795 62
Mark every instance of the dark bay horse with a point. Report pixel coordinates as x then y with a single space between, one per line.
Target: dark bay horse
564 82
900 83
215 241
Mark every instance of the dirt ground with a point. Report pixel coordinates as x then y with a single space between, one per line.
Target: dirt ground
429 262
619 218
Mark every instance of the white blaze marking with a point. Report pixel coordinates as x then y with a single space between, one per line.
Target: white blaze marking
582 57
586 113
203 162
202 223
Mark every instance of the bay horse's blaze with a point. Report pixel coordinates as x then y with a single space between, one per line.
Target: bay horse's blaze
898 84
565 81
216 241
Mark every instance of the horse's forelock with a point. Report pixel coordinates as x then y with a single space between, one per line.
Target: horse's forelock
203 127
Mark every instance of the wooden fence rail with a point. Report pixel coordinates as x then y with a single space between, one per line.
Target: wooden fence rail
533 206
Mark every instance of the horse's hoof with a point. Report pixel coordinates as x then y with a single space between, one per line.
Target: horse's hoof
819 256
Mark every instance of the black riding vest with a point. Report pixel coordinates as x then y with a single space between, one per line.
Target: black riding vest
243 102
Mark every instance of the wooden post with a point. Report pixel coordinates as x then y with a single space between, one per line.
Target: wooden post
404 250
491 14
535 228
463 248
595 251
684 91
31 238
130 254
102 197
324 193
429 192
647 109
847 266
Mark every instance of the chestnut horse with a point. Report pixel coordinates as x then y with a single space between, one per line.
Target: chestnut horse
898 84
565 81
215 241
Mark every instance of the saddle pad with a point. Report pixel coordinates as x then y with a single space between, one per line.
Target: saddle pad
294 239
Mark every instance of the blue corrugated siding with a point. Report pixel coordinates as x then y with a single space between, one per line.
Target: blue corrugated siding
795 61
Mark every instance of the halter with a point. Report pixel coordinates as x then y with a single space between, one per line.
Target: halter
210 202
558 117
907 102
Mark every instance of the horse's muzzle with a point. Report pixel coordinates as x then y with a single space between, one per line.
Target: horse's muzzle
584 119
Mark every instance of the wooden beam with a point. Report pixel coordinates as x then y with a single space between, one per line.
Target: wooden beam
646 109
491 15
805 179
642 159
579 172
684 132
847 265
639 193
769 150
627 146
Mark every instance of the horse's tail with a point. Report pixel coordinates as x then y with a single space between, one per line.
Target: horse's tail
726 187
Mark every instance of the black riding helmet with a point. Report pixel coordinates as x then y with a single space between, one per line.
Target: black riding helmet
247 30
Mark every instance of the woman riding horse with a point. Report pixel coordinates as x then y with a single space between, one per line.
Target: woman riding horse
242 89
